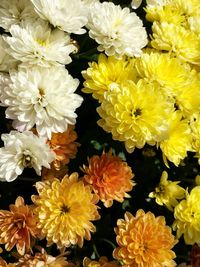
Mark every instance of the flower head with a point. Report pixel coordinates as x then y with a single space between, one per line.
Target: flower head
23 150
18 227
187 217
43 98
167 192
103 262
110 177
144 240
69 16
117 31
36 43
65 210
107 73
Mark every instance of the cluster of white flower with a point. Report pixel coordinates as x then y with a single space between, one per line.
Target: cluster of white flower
35 87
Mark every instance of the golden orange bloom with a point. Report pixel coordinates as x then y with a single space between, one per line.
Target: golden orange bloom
144 240
110 177
65 210
103 262
17 227
5 264
64 146
49 174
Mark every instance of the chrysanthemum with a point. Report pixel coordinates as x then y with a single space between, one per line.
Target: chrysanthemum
110 177
23 150
41 97
135 113
144 240
36 43
18 227
177 140
184 43
117 31
195 127
13 12
107 73
5 264
65 210
7 62
103 262
187 217
64 146
69 16
167 192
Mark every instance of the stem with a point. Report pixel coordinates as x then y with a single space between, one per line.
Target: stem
108 241
85 54
95 250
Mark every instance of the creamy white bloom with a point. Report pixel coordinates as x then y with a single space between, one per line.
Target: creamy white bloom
36 43
23 150
15 11
117 31
41 97
136 3
7 62
68 15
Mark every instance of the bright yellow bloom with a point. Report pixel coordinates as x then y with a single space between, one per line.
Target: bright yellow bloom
135 113
107 73
167 192
178 139
187 217
195 126
65 210
103 262
110 177
144 240
184 43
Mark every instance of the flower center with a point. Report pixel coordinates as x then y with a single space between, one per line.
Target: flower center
65 209
19 223
27 160
41 42
136 113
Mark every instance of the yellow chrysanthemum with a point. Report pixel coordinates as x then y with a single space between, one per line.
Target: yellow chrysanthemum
178 139
103 262
195 126
184 43
187 217
102 76
167 192
65 210
144 241
135 113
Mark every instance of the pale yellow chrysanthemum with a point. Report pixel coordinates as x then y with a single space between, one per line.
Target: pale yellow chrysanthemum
190 7
102 76
135 113
178 139
187 217
65 210
170 37
167 192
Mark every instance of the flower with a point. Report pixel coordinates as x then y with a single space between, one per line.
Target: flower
65 210
36 43
5 264
167 192
117 31
135 113
195 256
144 240
18 227
6 61
103 262
187 217
176 143
64 146
107 73
41 97
109 176
195 127
69 16
136 3
13 12
23 150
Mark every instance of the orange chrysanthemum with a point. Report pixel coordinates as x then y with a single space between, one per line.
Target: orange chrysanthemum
103 262
144 240
65 210
110 177
17 227
64 146
5 264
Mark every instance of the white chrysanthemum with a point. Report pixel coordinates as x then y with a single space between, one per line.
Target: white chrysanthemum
22 150
13 12
36 43
68 15
7 62
43 98
117 31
